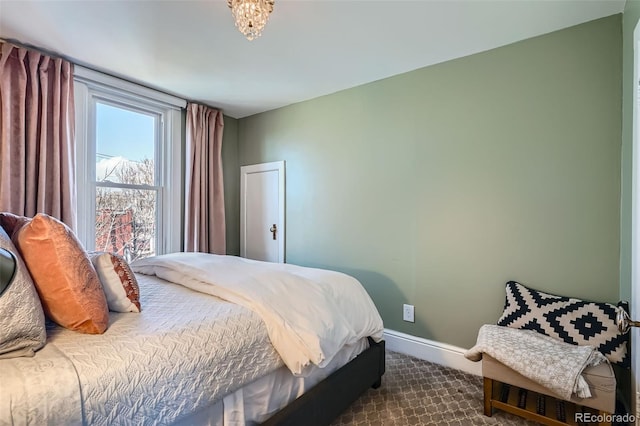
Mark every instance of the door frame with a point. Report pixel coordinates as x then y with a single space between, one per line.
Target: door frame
278 166
635 226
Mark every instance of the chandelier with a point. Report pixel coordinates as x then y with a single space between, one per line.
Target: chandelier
251 15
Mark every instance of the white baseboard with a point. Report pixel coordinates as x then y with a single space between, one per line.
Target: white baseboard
430 350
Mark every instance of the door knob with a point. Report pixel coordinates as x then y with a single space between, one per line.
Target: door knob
624 321
273 230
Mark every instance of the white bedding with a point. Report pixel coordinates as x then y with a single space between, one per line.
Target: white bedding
256 402
181 354
309 313
40 390
184 355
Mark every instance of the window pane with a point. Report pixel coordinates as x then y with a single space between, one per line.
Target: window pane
126 222
125 145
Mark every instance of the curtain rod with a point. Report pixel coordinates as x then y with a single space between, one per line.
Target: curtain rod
91 68
31 47
80 64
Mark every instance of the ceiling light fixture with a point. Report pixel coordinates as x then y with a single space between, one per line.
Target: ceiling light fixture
251 15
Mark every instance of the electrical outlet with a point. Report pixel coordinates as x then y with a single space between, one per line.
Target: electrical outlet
408 313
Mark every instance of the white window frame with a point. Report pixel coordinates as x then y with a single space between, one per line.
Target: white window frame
91 87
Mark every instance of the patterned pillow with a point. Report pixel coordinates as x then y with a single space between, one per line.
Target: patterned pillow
571 320
118 282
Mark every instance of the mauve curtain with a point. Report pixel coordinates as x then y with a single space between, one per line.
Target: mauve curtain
37 125
204 220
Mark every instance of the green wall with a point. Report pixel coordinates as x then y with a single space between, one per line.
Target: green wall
629 22
231 176
437 186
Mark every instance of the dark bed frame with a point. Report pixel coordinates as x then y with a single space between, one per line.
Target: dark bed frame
326 400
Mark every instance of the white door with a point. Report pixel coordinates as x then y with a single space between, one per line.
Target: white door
262 211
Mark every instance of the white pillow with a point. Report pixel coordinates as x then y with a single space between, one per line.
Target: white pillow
118 282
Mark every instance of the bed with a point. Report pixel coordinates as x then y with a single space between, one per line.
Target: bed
192 356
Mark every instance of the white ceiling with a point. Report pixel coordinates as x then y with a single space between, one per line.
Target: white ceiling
309 48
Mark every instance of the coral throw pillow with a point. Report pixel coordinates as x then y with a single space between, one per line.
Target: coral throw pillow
69 288
118 282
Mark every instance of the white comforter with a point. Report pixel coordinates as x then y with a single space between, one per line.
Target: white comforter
309 313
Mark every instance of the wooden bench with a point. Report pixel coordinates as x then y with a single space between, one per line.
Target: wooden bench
507 390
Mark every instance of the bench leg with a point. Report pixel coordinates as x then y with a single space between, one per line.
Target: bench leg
488 395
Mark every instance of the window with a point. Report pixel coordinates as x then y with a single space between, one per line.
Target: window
127 188
128 167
